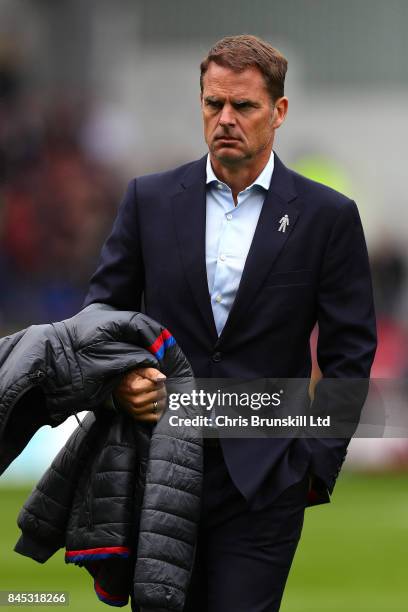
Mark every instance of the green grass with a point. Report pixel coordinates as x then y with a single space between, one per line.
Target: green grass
353 552
20 573
352 556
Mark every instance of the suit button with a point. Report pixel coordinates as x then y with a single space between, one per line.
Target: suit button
217 357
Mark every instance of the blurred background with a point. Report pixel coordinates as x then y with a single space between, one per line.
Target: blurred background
94 93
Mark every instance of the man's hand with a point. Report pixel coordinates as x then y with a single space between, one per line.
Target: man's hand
142 394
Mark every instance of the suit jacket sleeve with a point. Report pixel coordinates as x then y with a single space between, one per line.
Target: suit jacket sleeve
347 330
119 277
347 338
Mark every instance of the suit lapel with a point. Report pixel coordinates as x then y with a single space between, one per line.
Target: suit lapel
189 209
267 242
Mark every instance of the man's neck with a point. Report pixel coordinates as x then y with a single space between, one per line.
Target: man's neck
238 177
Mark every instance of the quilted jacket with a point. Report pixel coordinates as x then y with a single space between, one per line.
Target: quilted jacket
121 496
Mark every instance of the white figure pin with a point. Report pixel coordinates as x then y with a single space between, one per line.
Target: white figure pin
284 222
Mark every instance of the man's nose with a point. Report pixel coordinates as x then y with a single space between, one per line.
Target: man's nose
227 117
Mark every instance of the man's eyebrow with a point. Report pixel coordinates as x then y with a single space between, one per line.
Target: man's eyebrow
242 101
237 102
212 99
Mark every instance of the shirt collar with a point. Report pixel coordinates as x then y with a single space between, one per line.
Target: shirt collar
263 180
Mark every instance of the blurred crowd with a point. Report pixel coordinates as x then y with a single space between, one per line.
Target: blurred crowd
56 203
390 279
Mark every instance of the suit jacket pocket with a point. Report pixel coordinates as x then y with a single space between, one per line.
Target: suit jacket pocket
293 278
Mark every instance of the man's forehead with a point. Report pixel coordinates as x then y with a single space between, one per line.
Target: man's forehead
220 78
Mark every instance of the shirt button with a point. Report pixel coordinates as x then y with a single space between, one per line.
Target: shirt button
219 186
218 298
223 257
217 357
229 216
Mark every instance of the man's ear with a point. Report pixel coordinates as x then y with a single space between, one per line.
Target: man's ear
281 110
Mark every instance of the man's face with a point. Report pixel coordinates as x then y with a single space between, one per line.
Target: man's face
239 115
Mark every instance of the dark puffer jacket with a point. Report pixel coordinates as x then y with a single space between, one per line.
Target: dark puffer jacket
122 497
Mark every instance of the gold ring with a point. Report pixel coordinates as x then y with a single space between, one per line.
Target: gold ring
155 406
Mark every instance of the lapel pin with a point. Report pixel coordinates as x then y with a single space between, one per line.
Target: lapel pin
284 222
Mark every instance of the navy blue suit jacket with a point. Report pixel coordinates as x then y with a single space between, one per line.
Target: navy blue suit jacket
315 271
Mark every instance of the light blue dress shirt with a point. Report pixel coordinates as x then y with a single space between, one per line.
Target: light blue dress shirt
228 236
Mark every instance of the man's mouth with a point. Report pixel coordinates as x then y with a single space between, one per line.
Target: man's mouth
227 139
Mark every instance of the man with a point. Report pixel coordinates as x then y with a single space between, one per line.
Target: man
239 257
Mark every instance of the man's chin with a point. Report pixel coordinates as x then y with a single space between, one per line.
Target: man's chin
228 155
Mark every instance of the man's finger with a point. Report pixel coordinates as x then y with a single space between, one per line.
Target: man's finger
152 374
137 381
147 399
150 412
140 384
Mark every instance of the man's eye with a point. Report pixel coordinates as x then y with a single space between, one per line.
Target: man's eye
242 105
213 104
